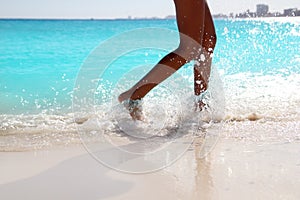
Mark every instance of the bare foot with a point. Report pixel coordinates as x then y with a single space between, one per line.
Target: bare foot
201 101
137 114
124 96
200 106
133 106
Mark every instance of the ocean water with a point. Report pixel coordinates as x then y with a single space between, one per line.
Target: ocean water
257 61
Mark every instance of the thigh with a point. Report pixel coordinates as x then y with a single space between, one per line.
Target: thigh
209 37
190 16
209 27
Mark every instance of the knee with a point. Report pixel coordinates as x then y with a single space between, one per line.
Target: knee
191 49
188 51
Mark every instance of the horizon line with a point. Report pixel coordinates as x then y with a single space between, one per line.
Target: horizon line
56 18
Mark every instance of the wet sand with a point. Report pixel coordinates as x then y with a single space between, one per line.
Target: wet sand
235 169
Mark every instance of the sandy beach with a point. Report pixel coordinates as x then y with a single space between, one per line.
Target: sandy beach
235 169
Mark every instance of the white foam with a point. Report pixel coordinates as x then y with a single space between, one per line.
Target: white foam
271 101
269 96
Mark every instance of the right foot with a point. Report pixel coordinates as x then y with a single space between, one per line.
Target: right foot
200 105
201 101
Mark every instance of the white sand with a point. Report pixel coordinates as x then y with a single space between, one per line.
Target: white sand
234 170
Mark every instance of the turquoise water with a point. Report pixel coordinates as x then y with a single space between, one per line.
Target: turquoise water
39 59
258 61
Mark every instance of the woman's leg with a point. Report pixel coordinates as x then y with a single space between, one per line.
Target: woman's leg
190 20
165 68
202 66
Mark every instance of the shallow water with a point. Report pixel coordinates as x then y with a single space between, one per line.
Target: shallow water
258 62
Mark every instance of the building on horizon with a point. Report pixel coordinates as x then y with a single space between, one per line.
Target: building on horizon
291 12
262 10
247 14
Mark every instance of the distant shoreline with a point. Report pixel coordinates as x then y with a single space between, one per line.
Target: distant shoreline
83 19
133 19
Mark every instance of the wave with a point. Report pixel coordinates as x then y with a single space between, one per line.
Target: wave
253 102
255 95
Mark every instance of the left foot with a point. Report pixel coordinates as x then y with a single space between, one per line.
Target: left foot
133 106
124 96
135 109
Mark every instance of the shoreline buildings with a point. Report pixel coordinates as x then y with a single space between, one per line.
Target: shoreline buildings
262 10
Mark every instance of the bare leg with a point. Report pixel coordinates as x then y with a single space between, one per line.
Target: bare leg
190 21
190 16
202 67
165 68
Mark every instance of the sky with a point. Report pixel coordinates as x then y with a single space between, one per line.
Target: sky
109 9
